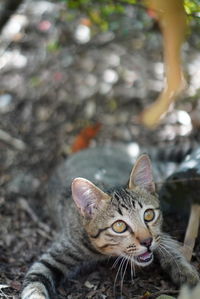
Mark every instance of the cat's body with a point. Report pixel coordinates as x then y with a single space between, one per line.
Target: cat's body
184 182
114 217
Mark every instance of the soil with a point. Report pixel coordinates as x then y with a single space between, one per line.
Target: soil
54 84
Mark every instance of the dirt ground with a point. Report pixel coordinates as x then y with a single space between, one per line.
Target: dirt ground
57 77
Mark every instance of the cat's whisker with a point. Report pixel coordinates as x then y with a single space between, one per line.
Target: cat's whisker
131 269
127 260
116 261
118 271
169 242
161 251
133 264
171 257
121 270
166 251
168 239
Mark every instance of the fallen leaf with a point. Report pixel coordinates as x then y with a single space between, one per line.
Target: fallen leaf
86 22
88 285
84 137
146 295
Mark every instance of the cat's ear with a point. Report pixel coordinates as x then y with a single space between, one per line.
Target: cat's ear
87 197
141 174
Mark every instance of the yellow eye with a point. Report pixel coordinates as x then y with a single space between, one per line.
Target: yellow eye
119 226
149 215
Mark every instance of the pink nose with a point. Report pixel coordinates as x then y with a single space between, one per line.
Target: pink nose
146 242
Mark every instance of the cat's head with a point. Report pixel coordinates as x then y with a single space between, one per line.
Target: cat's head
126 222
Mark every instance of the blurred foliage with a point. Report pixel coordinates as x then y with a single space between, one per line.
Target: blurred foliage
192 7
99 12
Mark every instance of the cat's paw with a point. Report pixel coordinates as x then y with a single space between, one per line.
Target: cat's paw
185 273
35 291
188 293
191 277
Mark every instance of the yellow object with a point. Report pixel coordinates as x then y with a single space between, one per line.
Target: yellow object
171 17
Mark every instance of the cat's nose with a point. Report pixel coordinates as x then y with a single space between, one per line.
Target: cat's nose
146 242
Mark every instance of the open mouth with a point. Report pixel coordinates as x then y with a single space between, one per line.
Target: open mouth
145 258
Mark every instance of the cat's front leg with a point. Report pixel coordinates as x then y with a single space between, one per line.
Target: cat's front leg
44 275
35 290
174 263
40 281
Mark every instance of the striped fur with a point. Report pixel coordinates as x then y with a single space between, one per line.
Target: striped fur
87 233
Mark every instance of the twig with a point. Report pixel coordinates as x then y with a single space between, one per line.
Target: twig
16 143
2 294
191 232
161 292
44 234
25 206
174 181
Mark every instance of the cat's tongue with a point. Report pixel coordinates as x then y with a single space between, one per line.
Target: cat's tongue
145 257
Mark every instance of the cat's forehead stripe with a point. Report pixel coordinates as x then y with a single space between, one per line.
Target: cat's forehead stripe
126 199
124 206
119 210
141 206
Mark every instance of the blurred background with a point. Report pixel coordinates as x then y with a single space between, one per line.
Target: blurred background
68 70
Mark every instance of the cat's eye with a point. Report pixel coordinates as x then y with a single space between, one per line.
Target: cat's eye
149 215
119 226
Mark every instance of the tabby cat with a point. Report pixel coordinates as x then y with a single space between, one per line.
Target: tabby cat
114 218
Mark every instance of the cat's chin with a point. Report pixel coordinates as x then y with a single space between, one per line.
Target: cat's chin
144 259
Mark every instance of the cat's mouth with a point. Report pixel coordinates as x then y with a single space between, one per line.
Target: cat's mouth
145 258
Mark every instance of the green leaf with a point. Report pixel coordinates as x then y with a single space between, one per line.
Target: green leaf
53 46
